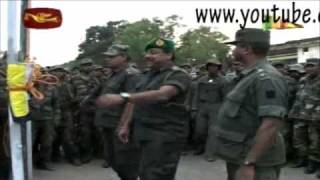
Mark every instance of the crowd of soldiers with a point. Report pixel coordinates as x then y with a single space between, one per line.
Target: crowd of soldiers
81 117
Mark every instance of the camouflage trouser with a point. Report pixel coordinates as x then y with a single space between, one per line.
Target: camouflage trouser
307 140
261 173
4 150
85 132
287 133
43 133
159 160
123 158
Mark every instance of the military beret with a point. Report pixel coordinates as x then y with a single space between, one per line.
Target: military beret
116 49
313 61
167 45
251 35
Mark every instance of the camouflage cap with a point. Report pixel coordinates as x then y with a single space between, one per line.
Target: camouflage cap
296 67
251 35
167 45
278 64
213 62
313 61
185 65
116 49
58 68
97 67
86 61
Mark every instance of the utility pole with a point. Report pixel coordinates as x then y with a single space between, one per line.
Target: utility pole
20 133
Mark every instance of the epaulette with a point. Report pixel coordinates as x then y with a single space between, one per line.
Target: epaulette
262 74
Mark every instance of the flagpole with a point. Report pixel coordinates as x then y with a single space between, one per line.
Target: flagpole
16 146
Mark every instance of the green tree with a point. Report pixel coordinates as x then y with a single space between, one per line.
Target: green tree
201 44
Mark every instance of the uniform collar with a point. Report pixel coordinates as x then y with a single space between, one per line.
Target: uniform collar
254 67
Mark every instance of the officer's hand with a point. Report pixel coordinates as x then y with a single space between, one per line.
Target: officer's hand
245 173
123 134
109 100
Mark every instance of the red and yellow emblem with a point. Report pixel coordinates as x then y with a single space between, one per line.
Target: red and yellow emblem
42 18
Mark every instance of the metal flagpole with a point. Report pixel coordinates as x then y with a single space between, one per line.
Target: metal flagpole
16 143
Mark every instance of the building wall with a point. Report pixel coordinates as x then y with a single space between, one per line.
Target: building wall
308 52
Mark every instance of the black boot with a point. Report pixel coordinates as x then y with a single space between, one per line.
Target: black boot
105 164
75 162
300 163
318 173
199 151
43 166
311 168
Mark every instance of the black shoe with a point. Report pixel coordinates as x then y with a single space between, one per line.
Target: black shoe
75 162
311 168
300 163
318 173
44 166
198 151
105 164
86 159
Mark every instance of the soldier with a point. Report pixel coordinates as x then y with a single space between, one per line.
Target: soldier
296 71
160 116
287 128
207 100
83 122
45 116
123 158
65 129
4 135
307 110
247 131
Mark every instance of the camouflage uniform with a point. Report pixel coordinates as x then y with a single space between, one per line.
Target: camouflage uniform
83 120
306 111
4 135
123 158
45 115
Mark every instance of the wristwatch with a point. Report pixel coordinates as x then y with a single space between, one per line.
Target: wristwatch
126 96
249 163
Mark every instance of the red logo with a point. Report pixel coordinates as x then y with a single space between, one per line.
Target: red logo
42 18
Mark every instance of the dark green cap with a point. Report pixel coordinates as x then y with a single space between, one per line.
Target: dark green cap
251 35
86 61
116 49
165 44
313 61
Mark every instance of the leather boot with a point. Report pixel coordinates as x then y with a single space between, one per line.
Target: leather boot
311 168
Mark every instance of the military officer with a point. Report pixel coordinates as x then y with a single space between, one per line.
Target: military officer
160 117
123 158
247 133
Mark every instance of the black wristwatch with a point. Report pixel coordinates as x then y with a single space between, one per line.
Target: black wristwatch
249 163
125 96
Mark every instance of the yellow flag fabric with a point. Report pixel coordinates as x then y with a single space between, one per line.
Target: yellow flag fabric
17 79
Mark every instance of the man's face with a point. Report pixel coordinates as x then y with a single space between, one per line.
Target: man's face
85 67
312 69
156 57
237 66
114 62
213 68
239 52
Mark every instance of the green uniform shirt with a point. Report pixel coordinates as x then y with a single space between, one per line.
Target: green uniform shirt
117 82
164 121
261 92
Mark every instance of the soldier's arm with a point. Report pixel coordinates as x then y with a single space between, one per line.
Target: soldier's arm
271 98
178 82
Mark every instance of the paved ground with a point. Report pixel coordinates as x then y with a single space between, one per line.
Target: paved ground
190 168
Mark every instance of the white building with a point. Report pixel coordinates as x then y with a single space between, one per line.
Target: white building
296 51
